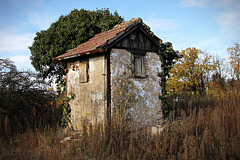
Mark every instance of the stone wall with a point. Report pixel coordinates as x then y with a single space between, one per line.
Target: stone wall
147 110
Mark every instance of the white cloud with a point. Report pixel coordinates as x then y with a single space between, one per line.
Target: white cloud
163 24
12 41
226 13
229 20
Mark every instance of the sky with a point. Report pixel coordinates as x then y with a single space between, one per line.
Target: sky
209 25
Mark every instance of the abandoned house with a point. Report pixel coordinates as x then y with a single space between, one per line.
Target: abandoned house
94 68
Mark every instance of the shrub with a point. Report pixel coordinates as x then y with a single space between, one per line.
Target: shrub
24 101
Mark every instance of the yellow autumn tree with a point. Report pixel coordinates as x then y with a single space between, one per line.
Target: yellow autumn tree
191 72
234 56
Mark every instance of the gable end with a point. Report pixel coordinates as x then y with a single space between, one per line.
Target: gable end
136 39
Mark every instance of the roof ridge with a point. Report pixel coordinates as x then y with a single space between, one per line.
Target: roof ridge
131 21
100 40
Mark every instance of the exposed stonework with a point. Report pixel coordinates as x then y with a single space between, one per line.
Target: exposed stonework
147 110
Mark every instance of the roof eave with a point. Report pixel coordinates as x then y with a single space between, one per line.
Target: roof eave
79 54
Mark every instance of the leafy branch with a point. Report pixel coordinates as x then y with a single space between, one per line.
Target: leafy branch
167 56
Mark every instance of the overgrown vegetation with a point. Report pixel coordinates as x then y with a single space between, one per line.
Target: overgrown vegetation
125 98
25 102
199 128
167 56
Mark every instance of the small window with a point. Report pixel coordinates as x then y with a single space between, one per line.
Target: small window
83 71
138 65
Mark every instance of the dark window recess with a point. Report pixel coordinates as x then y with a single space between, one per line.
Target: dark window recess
83 71
138 65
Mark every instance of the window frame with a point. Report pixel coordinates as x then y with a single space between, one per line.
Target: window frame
83 71
141 56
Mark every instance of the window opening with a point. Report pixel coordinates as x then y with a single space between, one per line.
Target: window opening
138 65
83 71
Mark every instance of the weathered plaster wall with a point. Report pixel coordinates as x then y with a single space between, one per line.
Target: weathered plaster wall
90 97
89 100
147 110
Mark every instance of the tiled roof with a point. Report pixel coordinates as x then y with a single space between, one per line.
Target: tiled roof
96 43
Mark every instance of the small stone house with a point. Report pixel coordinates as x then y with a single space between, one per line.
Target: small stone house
93 67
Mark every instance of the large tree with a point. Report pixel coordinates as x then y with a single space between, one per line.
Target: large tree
192 72
66 33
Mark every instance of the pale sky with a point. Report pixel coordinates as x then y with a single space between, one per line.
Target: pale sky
209 25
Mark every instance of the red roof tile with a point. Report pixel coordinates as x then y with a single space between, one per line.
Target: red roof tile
96 43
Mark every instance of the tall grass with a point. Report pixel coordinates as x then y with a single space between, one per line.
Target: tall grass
198 128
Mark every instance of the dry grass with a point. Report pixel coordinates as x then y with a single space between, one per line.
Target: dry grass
207 128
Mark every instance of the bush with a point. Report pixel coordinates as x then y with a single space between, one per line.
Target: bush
24 101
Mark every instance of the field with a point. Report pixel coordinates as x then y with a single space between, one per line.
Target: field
204 127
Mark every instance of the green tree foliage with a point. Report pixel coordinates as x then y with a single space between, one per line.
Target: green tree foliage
234 56
167 56
192 72
66 33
